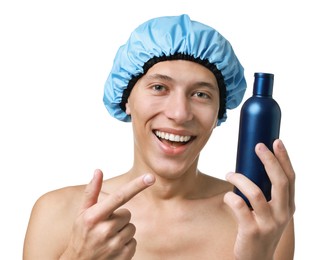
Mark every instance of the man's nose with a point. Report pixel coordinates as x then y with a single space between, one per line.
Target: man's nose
178 108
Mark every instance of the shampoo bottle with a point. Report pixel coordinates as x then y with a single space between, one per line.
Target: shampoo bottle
260 119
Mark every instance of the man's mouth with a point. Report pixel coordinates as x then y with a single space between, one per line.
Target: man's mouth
173 139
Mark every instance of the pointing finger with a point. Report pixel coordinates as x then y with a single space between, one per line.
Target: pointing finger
113 201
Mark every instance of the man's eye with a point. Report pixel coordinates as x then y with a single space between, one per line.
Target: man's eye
158 88
202 95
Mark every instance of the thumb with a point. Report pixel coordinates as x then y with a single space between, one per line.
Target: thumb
92 190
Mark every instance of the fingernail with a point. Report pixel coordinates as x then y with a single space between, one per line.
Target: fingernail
280 145
148 179
228 175
262 147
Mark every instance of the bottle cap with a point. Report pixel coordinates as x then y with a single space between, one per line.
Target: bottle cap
263 84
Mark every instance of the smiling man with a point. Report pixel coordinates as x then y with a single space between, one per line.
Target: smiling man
174 80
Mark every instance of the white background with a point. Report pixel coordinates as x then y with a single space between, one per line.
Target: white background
55 130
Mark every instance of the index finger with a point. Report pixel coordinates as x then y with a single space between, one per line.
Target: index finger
285 162
277 176
118 198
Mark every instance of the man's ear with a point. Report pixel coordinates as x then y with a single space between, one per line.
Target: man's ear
127 109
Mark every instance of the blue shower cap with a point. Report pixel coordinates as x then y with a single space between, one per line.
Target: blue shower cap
169 38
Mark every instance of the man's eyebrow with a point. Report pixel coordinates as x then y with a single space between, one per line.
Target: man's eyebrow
206 84
159 76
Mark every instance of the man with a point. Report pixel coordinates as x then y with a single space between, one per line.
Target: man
174 80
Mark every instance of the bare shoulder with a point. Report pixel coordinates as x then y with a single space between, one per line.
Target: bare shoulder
215 186
64 201
51 221
215 189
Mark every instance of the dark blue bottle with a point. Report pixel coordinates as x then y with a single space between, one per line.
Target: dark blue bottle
260 119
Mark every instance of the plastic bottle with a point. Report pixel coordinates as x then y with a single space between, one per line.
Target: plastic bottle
260 119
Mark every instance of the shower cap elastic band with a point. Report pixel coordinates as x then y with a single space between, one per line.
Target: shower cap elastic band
173 38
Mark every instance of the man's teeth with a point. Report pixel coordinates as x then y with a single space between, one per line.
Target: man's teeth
172 137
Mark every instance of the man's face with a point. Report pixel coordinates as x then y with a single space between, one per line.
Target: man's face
174 109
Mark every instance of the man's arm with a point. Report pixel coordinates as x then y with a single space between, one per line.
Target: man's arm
69 224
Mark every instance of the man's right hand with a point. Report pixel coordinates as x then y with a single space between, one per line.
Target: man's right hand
102 230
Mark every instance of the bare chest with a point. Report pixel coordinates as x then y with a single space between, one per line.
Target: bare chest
197 235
